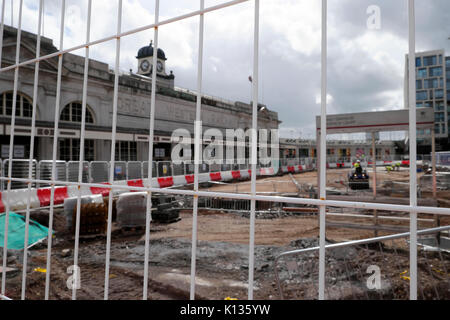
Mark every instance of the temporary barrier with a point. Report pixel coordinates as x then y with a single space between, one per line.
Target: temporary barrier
45 171
120 171
134 170
99 171
19 170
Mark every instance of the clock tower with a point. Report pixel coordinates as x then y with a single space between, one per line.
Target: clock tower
145 61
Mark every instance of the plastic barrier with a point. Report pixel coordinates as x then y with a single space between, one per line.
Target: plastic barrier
41 197
45 194
2 206
131 209
165 182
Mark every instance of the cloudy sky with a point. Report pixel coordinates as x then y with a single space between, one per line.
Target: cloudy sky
366 67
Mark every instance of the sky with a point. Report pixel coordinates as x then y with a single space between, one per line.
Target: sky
365 65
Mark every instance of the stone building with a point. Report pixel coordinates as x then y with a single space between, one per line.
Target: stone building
175 108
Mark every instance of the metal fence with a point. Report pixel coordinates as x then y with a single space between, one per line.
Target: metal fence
84 177
376 268
98 171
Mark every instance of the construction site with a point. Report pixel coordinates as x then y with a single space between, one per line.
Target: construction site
223 235
120 185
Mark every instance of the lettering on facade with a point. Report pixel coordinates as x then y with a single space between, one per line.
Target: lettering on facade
341 121
138 106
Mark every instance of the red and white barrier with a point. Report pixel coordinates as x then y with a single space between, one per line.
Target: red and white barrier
41 197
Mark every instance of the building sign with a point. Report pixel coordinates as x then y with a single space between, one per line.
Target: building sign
395 120
19 151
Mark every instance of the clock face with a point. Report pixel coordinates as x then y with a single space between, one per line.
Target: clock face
145 65
159 66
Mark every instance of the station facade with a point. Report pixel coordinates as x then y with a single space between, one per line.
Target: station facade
175 108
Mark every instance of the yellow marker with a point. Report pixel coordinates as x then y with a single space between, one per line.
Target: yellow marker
40 270
228 298
437 270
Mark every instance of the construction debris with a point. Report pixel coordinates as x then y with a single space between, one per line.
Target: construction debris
16 231
93 218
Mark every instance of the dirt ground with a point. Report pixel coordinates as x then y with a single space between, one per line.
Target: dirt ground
222 253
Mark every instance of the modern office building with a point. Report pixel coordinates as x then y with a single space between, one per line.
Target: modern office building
432 85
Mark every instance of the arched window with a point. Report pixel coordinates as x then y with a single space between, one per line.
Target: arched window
69 149
24 105
72 113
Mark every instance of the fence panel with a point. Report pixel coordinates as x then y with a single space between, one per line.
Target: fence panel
178 169
120 170
19 170
145 169
134 170
164 169
45 171
72 171
375 268
99 171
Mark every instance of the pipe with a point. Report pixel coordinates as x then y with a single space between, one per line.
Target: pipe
30 163
113 150
55 151
323 152
76 276
198 133
412 150
11 146
150 152
254 159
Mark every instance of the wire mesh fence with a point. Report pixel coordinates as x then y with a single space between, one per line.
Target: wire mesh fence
375 268
85 174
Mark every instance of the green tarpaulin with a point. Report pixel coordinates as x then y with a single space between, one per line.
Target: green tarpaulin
16 231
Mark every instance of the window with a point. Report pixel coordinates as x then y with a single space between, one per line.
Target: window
422 73
440 59
69 150
439 94
435 71
439 106
422 95
419 104
419 84
430 83
428 104
72 113
429 61
24 105
418 62
437 128
126 151
439 117
447 62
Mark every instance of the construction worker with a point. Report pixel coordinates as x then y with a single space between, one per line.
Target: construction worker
358 169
